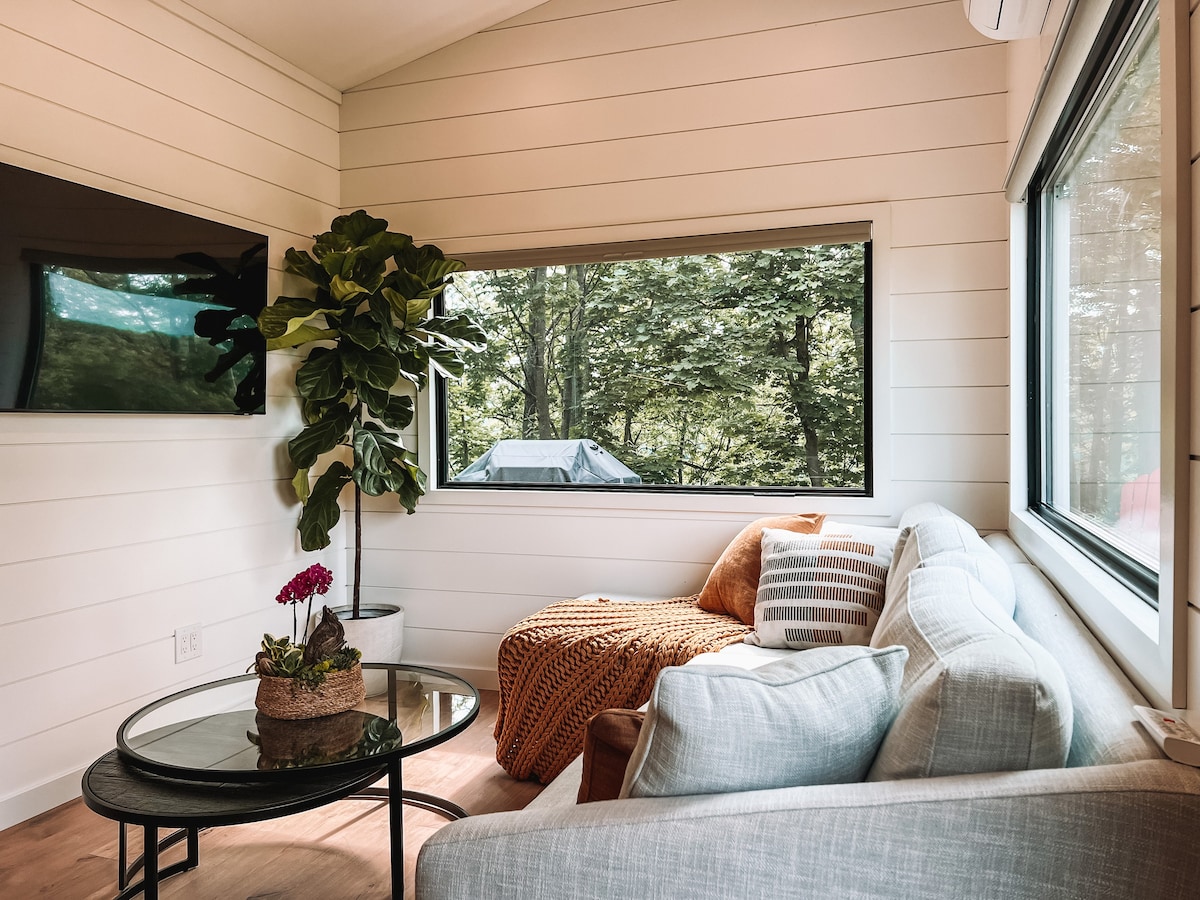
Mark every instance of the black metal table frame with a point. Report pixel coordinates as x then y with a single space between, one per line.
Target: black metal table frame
185 829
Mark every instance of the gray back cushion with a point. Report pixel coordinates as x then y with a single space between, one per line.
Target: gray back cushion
978 694
948 540
1104 730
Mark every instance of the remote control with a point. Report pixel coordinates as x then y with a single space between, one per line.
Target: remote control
1174 736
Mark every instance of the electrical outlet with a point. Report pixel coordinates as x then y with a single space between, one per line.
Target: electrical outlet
187 642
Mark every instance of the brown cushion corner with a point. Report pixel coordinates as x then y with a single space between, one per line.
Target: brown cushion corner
732 584
608 741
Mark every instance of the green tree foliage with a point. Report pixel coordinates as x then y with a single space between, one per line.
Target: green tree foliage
735 369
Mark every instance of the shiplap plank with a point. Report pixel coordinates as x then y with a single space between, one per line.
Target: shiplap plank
455 651
162 564
957 363
57 527
837 136
254 102
983 504
950 267
449 610
960 314
808 186
870 85
127 466
213 601
715 36
633 28
118 672
950 220
949 410
839 44
480 572
55 133
668 537
950 457
98 93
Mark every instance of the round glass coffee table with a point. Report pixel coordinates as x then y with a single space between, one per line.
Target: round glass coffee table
208 747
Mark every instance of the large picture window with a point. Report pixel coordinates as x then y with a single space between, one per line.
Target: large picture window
1096 239
729 366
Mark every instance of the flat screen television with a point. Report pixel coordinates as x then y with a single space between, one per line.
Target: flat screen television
109 304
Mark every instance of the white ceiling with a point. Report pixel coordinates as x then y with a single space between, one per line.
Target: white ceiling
346 42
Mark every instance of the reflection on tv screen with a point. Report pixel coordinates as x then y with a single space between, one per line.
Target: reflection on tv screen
125 341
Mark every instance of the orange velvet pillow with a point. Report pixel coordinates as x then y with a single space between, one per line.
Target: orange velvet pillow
608 742
732 585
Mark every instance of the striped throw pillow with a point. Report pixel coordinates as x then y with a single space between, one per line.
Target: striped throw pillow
821 589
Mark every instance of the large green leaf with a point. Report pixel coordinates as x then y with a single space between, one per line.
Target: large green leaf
300 485
374 448
380 309
287 314
397 414
437 267
358 226
322 512
362 332
320 437
459 329
297 262
417 311
320 377
387 244
378 368
344 289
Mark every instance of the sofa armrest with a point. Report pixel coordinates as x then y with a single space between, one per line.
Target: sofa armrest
1115 831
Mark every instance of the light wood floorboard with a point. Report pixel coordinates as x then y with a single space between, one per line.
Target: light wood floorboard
337 852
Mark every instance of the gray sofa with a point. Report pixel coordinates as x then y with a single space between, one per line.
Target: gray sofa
1118 820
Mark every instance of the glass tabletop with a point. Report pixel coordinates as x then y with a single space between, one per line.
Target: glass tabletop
212 732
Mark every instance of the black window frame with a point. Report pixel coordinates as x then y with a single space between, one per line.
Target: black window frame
659 248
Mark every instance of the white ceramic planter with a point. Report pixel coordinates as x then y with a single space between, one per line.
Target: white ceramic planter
378 633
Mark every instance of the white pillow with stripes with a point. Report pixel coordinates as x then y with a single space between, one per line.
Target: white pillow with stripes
821 589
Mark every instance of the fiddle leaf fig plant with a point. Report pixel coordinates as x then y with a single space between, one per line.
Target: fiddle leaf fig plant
374 328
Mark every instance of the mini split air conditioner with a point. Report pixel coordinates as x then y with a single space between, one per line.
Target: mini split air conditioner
1007 20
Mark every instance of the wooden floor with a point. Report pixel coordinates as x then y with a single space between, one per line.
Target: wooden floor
338 852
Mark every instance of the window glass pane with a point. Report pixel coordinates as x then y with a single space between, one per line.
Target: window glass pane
1103 225
737 369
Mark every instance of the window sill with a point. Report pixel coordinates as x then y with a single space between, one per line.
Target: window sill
599 501
1129 628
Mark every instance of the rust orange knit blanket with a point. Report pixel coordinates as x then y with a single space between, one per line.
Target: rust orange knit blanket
575 658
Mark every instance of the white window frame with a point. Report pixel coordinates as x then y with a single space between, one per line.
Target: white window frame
1151 646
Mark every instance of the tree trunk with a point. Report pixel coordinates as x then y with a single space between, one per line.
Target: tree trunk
575 358
803 403
535 420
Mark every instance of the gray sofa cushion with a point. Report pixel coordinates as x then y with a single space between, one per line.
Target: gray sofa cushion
950 541
978 694
815 718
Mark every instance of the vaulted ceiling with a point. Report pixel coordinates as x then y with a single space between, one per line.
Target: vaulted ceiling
348 42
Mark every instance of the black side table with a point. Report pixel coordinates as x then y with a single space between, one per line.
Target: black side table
204 756
132 796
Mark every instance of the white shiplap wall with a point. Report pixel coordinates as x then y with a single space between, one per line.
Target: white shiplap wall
593 120
115 530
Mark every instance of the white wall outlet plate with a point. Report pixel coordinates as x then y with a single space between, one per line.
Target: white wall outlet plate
188 643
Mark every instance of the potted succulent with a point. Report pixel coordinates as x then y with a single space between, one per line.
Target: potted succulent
318 674
372 327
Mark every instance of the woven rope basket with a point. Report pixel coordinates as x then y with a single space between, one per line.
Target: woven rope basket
286 698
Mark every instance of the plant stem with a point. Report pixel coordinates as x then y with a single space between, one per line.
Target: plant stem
354 597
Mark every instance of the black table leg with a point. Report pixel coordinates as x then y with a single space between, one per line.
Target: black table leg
150 862
396 827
